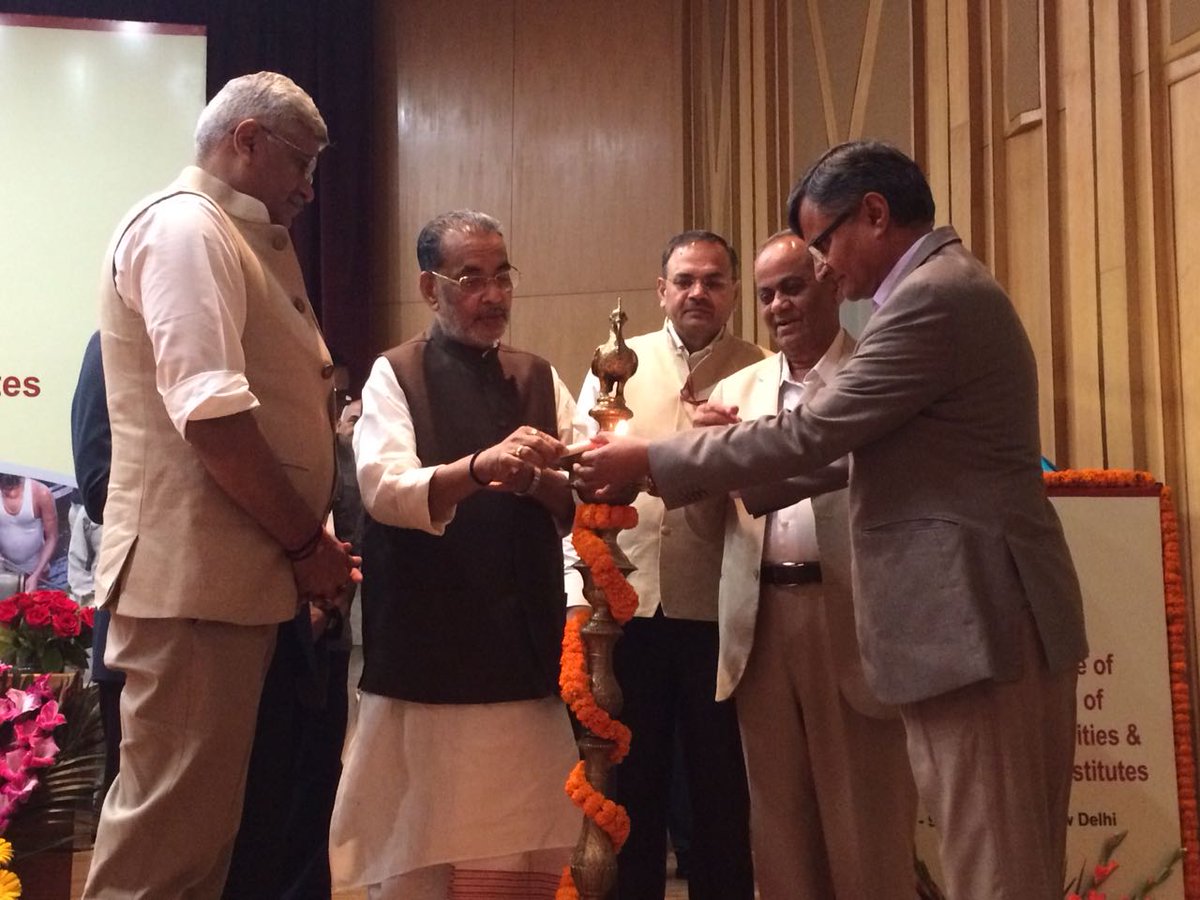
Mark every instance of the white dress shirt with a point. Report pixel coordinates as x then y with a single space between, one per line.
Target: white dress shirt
791 533
195 333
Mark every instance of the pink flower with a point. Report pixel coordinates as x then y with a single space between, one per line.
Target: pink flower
13 764
42 751
16 703
40 688
48 717
18 792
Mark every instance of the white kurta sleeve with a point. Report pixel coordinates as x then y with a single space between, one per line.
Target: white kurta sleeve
393 482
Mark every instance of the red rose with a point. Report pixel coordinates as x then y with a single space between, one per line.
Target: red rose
24 600
66 624
88 614
61 603
37 616
8 610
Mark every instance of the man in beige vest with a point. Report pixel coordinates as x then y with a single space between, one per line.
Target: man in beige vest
666 662
222 476
832 800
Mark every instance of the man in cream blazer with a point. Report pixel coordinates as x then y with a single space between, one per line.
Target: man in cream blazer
968 608
832 800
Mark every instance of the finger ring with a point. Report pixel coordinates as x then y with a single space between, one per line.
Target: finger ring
531 431
521 451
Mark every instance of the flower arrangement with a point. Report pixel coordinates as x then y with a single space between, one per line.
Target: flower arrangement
1084 885
575 681
45 631
10 884
27 722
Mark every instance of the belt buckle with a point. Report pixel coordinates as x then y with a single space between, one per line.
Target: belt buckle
790 573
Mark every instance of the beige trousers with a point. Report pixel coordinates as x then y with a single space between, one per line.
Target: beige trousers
993 763
187 720
832 801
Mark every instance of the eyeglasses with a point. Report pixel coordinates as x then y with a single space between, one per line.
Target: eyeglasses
471 285
787 289
819 245
711 283
310 159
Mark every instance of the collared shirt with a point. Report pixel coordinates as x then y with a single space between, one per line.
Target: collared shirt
791 534
685 362
888 285
178 267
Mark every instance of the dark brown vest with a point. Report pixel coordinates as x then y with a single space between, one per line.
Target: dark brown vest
475 615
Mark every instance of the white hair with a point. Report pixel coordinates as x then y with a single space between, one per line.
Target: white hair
271 98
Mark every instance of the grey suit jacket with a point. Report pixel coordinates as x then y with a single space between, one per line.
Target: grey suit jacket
952 532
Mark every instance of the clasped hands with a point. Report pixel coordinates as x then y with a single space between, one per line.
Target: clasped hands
327 576
515 464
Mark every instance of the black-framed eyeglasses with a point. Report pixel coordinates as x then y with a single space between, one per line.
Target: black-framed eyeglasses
819 245
310 159
471 285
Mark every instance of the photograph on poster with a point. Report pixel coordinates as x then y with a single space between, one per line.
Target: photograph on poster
35 534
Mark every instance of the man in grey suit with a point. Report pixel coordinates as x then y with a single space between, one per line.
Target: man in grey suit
832 800
968 608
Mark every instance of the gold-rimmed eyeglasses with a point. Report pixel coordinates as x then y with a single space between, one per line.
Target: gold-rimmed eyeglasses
309 159
819 245
471 285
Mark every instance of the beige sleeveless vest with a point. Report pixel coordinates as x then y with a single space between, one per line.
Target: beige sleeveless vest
678 564
174 544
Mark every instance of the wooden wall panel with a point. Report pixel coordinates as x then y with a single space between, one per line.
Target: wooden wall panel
1115 211
810 135
888 110
1022 57
597 163
1029 275
453 133
580 322
564 123
1184 112
1081 439
1184 19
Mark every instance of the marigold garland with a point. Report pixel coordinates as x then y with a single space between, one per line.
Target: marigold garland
576 687
1176 621
575 681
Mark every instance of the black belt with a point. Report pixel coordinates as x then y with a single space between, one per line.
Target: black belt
790 573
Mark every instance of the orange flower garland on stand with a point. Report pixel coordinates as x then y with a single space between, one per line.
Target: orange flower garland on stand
575 678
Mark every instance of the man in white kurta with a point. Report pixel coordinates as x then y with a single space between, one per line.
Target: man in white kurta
455 774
